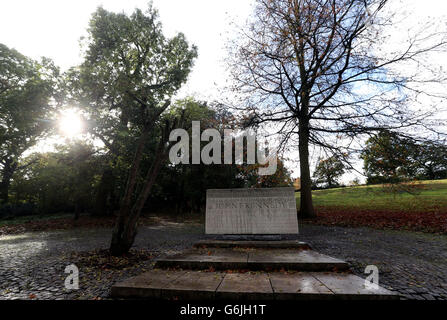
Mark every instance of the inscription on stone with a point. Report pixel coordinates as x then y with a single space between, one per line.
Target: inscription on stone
251 211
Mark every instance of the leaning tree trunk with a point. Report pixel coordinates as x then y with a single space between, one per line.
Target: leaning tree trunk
306 206
126 225
125 230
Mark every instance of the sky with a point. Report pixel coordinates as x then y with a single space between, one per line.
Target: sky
52 28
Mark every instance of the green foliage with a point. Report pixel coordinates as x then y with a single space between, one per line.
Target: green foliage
130 73
28 90
328 171
431 160
281 177
26 87
9 210
387 158
130 70
390 158
58 181
182 188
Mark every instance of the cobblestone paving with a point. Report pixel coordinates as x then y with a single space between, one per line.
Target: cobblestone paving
413 264
32 264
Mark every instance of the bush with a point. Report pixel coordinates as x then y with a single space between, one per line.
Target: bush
8 211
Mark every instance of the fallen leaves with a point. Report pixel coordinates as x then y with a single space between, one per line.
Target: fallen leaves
102 259
58 223
432 222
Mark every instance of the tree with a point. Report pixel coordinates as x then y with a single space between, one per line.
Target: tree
59 181
26 89
328 171
185 185
317 68
391 158
82 162
431 160
387 158
130 73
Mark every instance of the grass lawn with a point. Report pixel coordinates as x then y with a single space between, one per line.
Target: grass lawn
373 206
423 210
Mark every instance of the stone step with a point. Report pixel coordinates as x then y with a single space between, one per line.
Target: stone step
267 244
201 285
252 259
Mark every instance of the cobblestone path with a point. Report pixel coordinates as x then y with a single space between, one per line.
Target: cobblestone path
32 265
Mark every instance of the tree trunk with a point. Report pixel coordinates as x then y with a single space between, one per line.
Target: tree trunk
8 170
4 190
126 225
306 206
105 194
122 236
125 230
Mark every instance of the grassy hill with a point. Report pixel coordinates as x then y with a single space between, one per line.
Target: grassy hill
420 206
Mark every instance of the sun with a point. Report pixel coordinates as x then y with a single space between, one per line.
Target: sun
70 123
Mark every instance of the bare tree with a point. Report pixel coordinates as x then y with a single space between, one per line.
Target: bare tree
317 67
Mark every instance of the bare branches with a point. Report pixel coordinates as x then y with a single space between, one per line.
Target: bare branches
320 62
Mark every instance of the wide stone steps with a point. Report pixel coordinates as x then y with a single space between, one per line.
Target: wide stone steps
252 259
272 244
204 285
283 270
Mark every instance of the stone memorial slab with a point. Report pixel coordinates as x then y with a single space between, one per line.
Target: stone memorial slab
251 211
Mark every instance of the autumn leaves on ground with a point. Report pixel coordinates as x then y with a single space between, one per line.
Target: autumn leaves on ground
66 221
418 206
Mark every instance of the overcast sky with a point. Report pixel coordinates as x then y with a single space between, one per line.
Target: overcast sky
52 28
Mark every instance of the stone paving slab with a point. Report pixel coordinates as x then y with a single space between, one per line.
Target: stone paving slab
279 244
349 286
197 285
298 285
193 285
304 260
219 259
252 259
245 286
146 285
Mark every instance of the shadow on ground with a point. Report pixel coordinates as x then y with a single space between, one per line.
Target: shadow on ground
32 264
